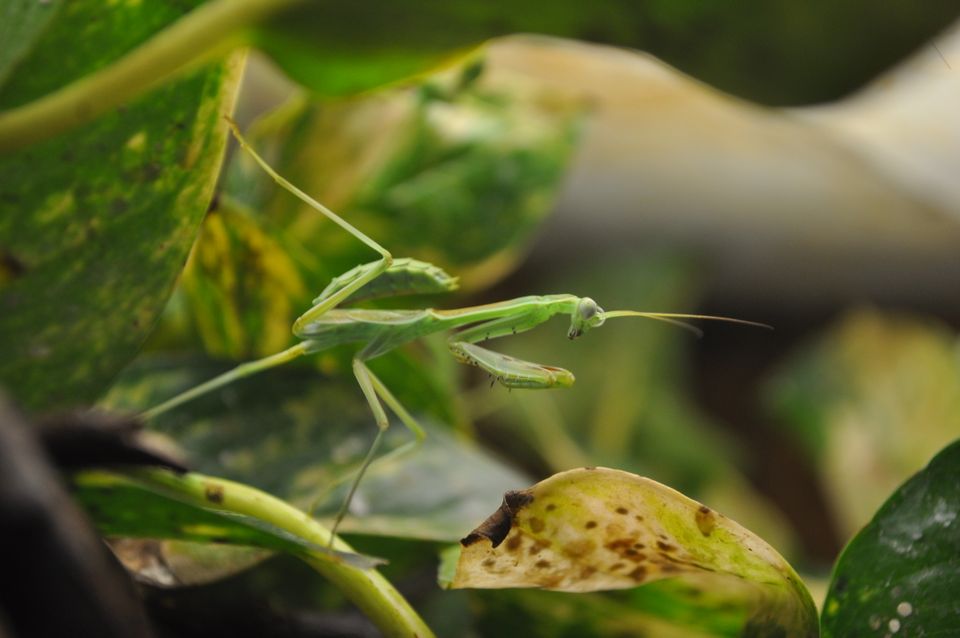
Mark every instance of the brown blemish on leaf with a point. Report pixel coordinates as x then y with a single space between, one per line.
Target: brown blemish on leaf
551 507
591 524
617 566
514 543
666 547
488 563
498 525
538 546
706 520
579 548
638 518
622 510
639 573
619 545
635 556
213 493
675 562
10 266
536 525
542 564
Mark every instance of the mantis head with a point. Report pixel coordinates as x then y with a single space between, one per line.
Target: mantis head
587 315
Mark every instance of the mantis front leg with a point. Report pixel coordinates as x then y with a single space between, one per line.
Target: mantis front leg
509 371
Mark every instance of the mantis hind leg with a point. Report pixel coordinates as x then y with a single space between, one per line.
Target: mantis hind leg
374 391
370 271
239 372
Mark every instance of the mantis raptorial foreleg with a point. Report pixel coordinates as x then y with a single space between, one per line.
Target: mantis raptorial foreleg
509 371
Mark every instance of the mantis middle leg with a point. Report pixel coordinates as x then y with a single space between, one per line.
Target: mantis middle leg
374 391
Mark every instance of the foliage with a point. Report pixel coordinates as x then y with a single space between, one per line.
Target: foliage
900 573
598 529
113 207
110 156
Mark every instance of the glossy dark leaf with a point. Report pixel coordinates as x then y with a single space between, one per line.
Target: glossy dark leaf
900 575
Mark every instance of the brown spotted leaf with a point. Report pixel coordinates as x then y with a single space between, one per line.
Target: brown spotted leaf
601 529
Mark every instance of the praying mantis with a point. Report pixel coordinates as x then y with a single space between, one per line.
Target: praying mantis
326 325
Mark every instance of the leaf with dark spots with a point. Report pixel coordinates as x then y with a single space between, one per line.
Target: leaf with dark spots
900 575
600 529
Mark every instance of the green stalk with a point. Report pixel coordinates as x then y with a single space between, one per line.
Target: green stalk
202 35
366 588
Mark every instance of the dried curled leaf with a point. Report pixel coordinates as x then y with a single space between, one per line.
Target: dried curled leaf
599 529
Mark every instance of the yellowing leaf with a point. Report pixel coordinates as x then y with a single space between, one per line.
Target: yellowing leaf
600 529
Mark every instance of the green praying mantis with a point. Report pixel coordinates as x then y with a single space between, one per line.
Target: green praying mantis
326 325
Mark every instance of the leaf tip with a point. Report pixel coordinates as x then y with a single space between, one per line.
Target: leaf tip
499 524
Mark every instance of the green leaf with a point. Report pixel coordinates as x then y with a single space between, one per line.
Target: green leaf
759 50
458 175
345 48
152 502
192 507
240 291
298 434
95 225
900 575
22 24
650 610
436 492
597 529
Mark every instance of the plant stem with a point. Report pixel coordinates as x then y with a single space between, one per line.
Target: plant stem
366 588
203 34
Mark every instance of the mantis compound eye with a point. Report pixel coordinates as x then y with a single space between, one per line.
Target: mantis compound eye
587 315
590 313
587 309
